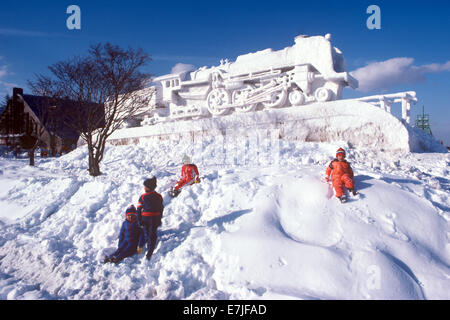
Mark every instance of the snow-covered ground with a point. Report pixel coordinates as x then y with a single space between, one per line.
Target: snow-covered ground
260 225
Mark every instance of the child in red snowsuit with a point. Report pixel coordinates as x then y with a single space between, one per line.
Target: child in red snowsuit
341 175
189 175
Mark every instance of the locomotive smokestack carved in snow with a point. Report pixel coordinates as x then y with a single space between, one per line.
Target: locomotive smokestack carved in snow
311 70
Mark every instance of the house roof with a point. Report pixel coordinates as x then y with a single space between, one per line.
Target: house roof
63 107
36 103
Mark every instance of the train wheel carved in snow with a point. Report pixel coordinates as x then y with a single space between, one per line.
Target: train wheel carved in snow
322 94
276 99
296 97
239 96
216 98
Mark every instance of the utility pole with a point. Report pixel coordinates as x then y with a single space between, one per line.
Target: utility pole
423 122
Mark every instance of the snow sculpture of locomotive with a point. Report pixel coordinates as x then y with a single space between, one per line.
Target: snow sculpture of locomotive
309 71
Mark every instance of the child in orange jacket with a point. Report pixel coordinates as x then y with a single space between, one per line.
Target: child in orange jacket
341 175
189 176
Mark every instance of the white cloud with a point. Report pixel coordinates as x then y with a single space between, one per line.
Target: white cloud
25 33
182 67
3 71
9 85
388 73
5 87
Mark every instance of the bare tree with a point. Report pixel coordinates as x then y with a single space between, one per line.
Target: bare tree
105 88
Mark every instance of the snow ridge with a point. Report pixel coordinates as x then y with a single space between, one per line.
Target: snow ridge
360 124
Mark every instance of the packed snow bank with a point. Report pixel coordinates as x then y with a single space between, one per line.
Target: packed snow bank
332 250
359 123
250 230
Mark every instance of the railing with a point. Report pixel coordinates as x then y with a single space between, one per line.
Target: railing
384 101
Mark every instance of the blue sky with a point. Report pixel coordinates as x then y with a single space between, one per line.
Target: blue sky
413 44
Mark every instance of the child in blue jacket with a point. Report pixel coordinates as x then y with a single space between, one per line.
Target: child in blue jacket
131 238
149 212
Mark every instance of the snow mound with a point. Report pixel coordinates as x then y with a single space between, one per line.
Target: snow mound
306 216
340 251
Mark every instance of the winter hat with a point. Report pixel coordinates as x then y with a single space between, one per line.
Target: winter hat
150 183
131 210
186 159
340 151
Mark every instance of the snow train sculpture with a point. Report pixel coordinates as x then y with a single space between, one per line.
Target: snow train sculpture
311 70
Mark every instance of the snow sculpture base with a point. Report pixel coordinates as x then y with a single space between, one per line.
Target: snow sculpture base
359 123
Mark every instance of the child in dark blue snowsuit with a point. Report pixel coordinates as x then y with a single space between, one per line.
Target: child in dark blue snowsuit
131 238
